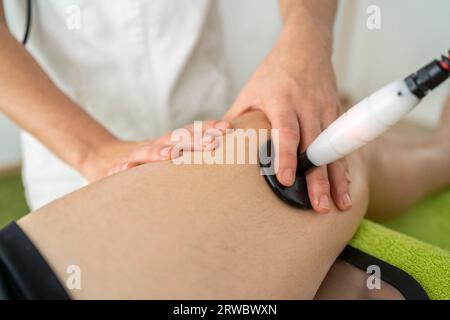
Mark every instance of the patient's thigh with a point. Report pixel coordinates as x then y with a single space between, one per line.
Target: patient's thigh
192 231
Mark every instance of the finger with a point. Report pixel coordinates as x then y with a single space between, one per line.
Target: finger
113 170
148 153
285 120
123 166
202 126
330 113
130 165
319 190
337 171
167 152
191 142
222 125
195 137
317 180
212 133
116 169
155 152
339 184
198 136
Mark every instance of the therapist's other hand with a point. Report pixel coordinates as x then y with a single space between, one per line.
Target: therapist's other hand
299 96
117 155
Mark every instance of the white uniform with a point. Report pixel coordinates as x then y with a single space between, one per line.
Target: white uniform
139 67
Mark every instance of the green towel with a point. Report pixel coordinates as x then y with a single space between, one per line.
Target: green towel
428 220
428 264
12 199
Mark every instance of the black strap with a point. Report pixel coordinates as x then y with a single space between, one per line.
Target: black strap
402 281
25 273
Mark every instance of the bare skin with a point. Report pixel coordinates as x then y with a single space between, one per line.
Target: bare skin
346 282
422 160
208 231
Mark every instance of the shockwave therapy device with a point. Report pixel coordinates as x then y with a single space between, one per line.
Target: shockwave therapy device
355 128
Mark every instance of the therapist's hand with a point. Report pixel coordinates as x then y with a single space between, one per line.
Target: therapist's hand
300 104
295 87
115 155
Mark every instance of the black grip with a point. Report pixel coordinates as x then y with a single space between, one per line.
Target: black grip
427 78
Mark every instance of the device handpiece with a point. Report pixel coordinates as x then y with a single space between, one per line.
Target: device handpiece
355 128
374 115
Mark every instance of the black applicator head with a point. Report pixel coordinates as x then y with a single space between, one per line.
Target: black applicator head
295 195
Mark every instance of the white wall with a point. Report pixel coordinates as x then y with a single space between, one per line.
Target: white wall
413 32
251 28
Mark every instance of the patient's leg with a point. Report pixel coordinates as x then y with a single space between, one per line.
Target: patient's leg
198 231
193 231
406 164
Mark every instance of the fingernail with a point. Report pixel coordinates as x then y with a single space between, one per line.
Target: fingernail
324 202
348 177
222 125
288 176
346 200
